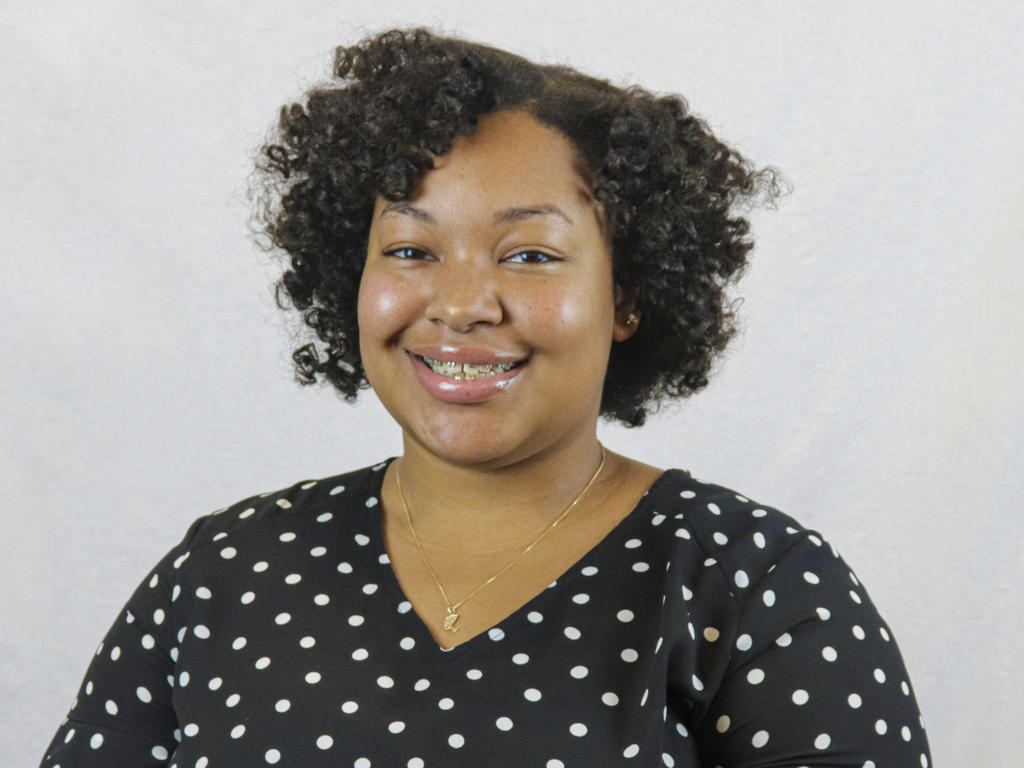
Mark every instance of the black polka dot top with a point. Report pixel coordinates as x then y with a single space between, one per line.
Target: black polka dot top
704 630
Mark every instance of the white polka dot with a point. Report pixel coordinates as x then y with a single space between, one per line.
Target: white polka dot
474 674
232 700
143 694
905 733
822 741
344 567
581 599
183 679
406 643
714 510
201 631
641 567
313 678
579 672
362 540
532 694
769 597
422 684
237 732
760 739
282 705
696 683
445 703
321 599
190 730
361 762
261 566
324 517
682 533
396 726
811 578
307 641
504 723
287 536
687 593
667 759
415 762
111 707
629 655
625 615
356 620
148 642
456 740
228 552
759 540
215 683
292 578
272 756
590 570
722 724
755 676
324 742
262 662
369 589
681 730
535 617
360 654
854 701
610 699
800 697
720 538
631 751
879 675
385 682
572 633
160 753
203 593
884 634
823 613
905 688
282 618
741 579
349 707
318 551
828 653
496 634
881 727
855 597
578 729
247 597
521 658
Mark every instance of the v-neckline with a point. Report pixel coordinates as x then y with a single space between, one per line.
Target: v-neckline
516 617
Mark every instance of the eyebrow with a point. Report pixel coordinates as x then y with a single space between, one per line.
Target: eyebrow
504 216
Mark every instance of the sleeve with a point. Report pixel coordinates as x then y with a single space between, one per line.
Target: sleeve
815 677
123 715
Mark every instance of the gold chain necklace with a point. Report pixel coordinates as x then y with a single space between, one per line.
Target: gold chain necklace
451 617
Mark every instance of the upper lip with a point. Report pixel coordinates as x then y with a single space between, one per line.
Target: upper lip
473 355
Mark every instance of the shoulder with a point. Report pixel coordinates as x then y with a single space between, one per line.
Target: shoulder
741 537
303 501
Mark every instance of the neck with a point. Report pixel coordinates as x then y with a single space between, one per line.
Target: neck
462 507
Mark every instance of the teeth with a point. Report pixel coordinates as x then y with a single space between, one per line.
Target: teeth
461 371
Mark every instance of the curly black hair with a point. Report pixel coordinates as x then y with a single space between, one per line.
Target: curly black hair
673 195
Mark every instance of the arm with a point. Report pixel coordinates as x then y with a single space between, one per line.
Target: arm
123 714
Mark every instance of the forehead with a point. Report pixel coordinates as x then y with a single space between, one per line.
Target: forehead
510 160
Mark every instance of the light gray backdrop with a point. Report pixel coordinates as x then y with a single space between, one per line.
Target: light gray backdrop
876 394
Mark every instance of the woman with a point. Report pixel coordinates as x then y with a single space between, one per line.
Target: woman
505 252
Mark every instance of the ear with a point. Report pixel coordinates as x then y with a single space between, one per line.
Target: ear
625 307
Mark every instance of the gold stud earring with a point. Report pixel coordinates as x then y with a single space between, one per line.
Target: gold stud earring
632 320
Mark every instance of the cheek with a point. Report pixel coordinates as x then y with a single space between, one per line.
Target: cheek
384 302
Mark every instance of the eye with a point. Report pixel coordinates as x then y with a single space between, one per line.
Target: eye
532 257
406 253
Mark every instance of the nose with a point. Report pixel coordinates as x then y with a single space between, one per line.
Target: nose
464 294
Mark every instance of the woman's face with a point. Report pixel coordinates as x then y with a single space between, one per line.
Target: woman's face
499 258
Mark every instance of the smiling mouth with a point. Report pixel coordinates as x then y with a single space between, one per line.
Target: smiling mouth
460 371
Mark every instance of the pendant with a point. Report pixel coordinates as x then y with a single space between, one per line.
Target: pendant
449 621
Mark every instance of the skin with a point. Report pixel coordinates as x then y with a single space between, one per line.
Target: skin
482 480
